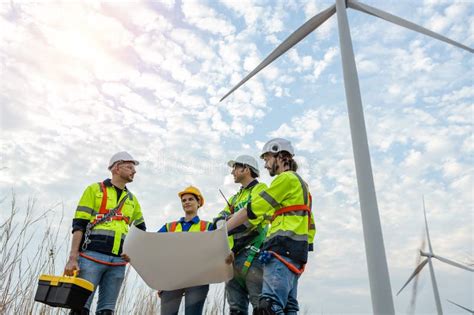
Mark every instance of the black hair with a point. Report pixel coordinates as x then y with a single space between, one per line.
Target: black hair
288 160
252 172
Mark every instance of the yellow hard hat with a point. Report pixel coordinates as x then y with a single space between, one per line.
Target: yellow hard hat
194 191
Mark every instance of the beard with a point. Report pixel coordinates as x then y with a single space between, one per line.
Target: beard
237 179
127 179
272 170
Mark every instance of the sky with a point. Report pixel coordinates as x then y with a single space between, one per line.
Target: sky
81 80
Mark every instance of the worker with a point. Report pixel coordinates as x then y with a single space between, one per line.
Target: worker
286 204
99 227
245 240
194 297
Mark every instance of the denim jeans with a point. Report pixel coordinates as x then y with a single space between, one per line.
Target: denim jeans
108 278
194 298
280 286
239 296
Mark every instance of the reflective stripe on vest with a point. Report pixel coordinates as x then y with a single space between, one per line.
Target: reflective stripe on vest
103 208
294 208
174 224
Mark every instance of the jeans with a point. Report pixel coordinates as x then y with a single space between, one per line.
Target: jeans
239 296
194 298
280 286
108 278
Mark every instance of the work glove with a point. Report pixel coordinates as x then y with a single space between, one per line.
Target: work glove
217 219
264 256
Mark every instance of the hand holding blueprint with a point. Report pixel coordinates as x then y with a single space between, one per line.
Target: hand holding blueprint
170 261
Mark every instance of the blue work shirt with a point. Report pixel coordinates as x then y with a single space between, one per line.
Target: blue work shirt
186 225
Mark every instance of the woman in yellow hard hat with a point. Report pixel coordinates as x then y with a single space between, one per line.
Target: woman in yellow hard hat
194 297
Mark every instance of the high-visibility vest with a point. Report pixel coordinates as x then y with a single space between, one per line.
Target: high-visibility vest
96 200
243 236
287 205
103 208
176 226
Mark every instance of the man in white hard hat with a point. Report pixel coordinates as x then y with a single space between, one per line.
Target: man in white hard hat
245 240
286 205
99 227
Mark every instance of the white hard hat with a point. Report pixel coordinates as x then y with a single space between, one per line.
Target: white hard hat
277 145
121 157
246 160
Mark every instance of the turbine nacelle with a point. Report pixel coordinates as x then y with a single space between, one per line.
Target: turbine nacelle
426 254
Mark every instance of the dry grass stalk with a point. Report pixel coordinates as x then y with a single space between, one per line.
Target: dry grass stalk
32 244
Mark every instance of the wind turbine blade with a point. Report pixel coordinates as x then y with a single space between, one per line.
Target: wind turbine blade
435 287
426 226
415 282
464 308
417 270
292 40
407 24
453 263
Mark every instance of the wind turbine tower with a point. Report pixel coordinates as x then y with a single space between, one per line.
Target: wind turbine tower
380 289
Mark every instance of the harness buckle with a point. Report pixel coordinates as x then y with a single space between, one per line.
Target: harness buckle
254 249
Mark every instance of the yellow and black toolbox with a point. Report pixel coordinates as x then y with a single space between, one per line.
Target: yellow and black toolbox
63 291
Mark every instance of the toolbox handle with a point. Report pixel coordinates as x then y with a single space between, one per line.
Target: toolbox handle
74 274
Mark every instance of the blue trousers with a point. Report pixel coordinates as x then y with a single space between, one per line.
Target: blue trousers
239 296
194 298
108 278
280 285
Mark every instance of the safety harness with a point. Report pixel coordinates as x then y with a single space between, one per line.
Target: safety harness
254 247
289 209
103 216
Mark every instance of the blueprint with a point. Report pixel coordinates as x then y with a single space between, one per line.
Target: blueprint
170 261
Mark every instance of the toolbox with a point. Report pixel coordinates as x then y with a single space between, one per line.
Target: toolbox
63 291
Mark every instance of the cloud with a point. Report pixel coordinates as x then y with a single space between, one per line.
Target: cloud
206 18
81 81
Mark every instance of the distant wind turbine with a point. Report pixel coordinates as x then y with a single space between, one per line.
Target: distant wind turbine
428 260
415 282
464 308
381 293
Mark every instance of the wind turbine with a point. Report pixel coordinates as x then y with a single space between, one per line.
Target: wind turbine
415 282
460 306
428 260
382 300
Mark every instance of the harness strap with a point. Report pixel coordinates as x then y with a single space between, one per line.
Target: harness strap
293 209
118 217
203 226
173 226
100 218
287 264
103 208
103 262
103 204
254 250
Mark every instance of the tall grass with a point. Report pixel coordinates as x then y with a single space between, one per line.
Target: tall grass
31 244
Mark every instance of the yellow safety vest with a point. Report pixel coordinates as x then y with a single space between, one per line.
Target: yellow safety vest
89 208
